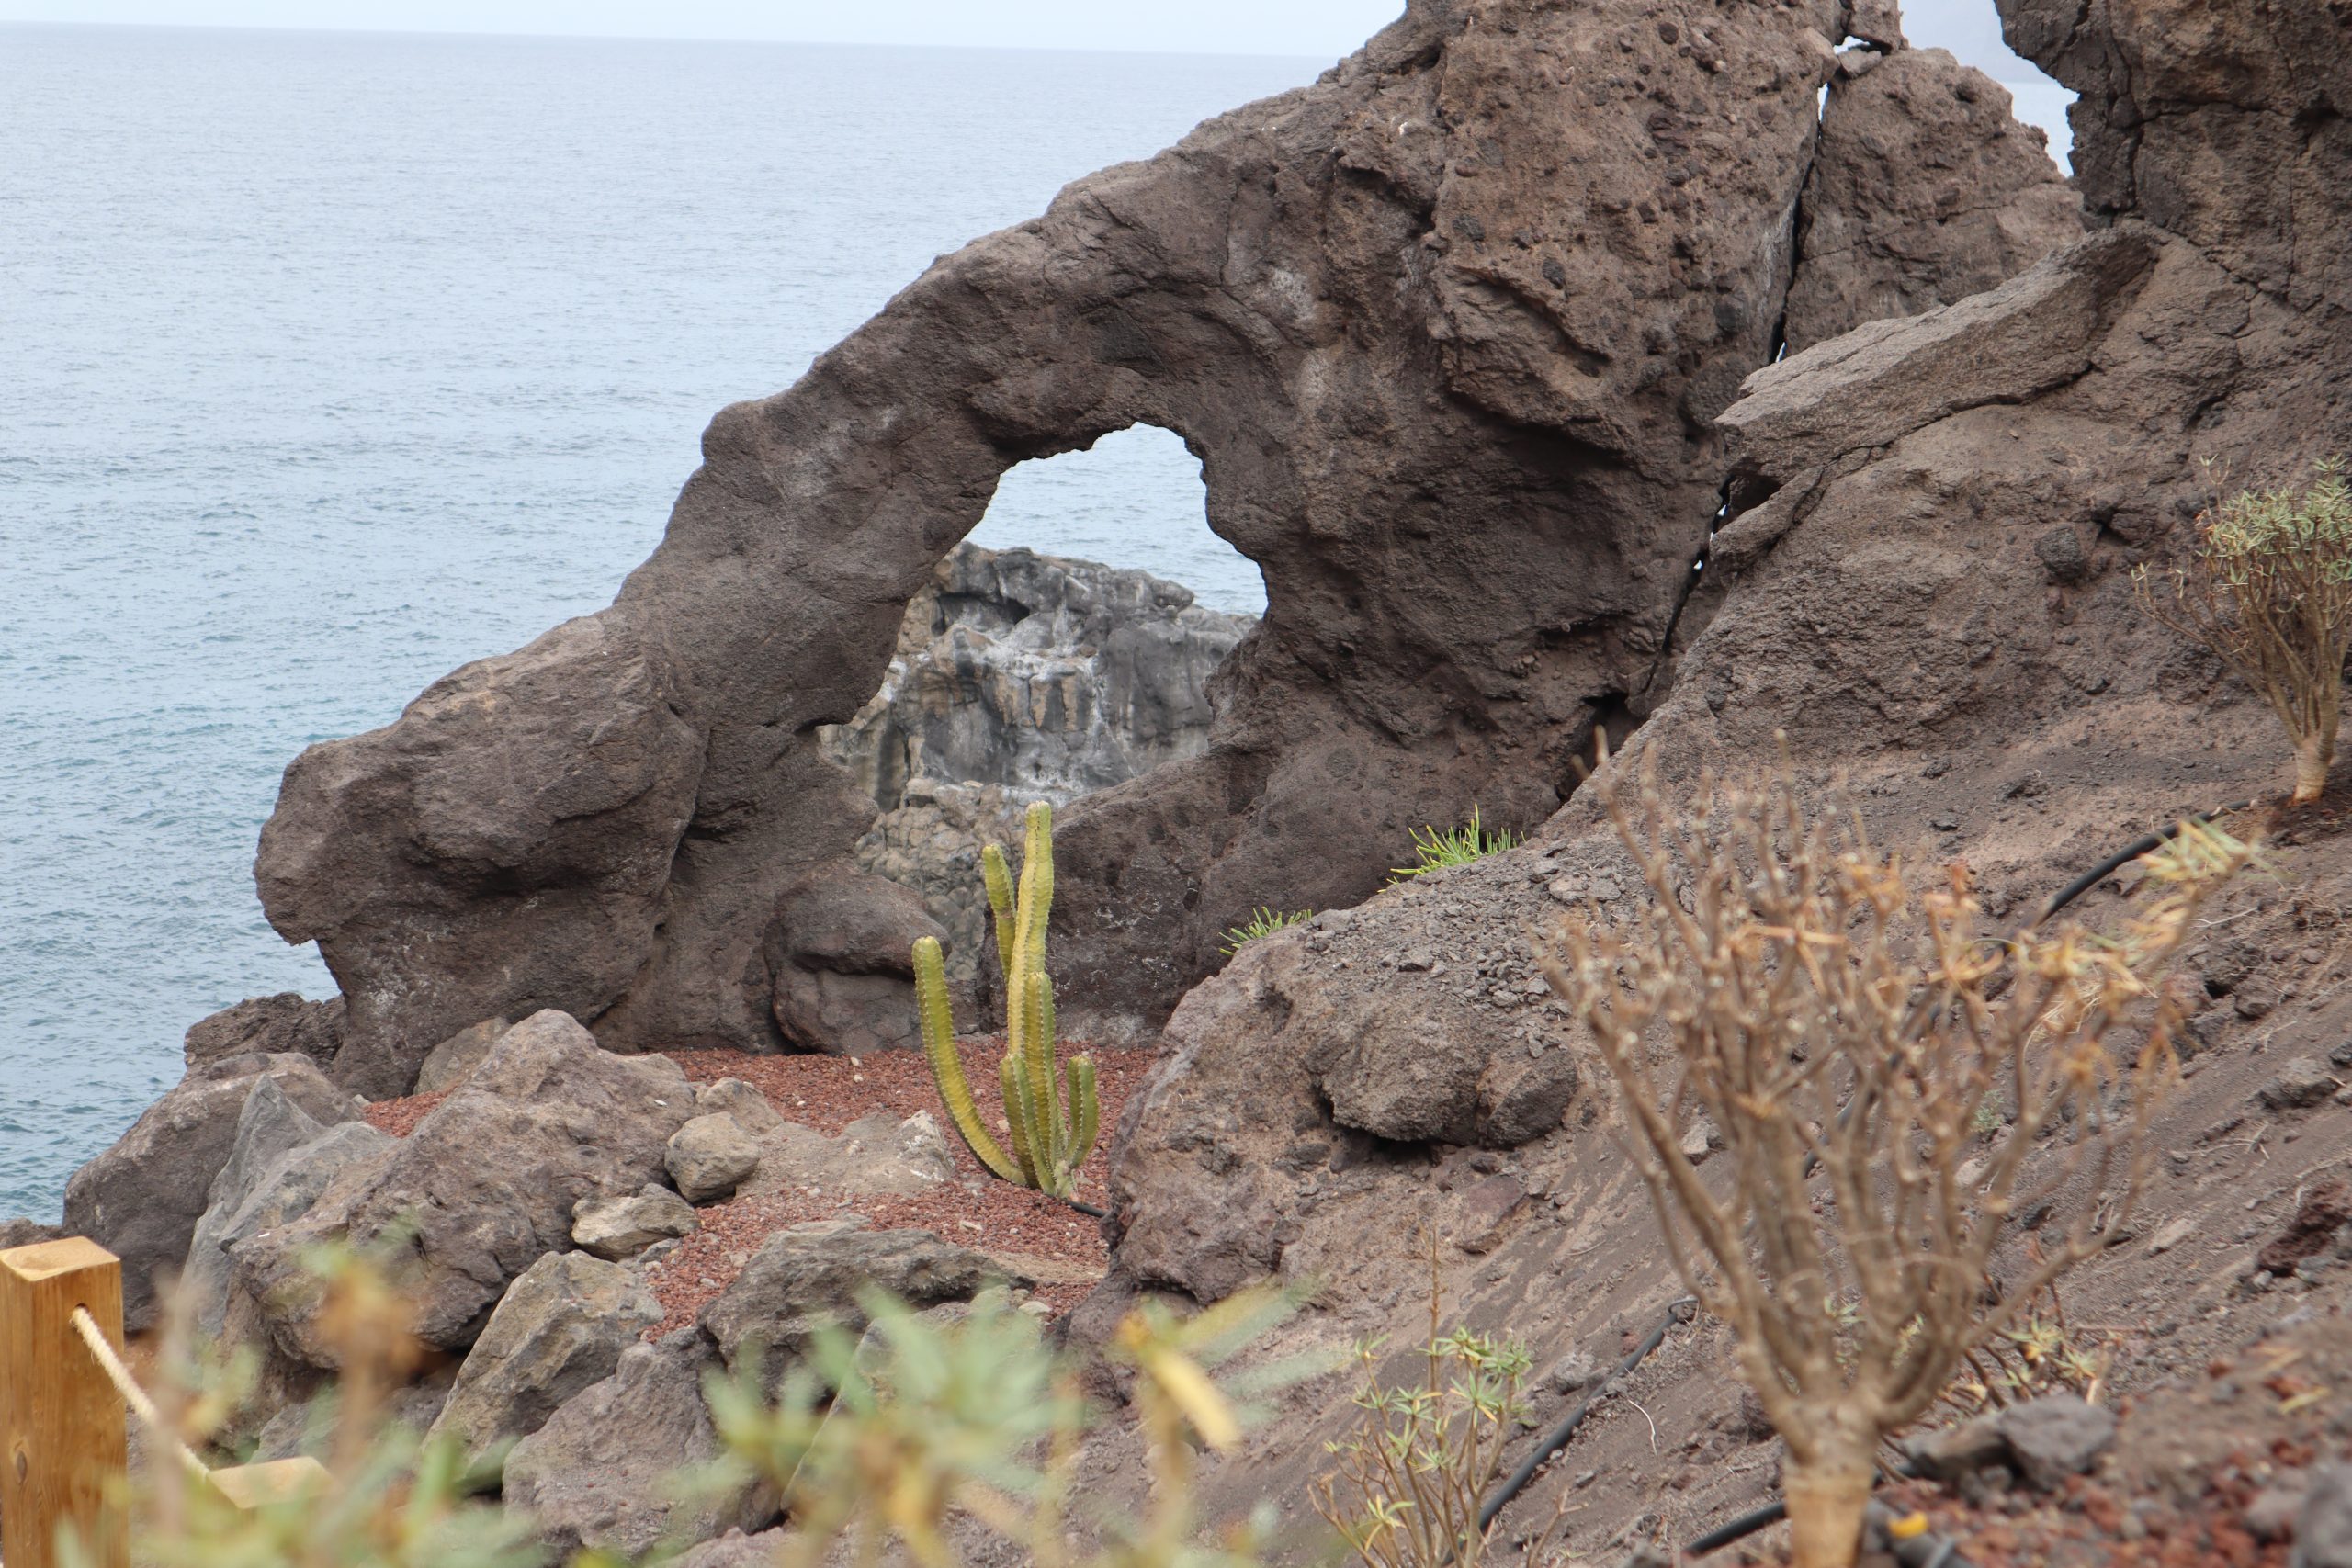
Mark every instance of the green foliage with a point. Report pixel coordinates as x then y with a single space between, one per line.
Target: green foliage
1433 848
882 1438
1051 1121
1262 922
385 1497
1409 1480
2269 592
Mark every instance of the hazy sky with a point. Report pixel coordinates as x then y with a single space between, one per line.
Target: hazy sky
1323 28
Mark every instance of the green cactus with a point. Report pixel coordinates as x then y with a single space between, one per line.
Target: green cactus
1051 1118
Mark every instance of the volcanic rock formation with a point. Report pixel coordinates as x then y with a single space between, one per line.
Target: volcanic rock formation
1926 594
1448 330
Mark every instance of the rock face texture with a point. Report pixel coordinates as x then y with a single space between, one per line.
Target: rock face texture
1924 586
561 1327
141 1199
1923 190
1448 328
1047 676
484 1186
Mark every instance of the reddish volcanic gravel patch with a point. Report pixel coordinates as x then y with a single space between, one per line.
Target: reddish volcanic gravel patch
1061 1244
400 1117
1062 1247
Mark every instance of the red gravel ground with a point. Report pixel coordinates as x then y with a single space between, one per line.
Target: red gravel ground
829 1093
400 1117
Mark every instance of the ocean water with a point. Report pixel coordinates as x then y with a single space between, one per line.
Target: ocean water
330 362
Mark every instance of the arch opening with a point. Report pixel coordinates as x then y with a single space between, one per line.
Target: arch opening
1065 646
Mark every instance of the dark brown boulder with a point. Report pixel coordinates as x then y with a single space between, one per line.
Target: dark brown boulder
1923 190
140 1199
841 951
269 1026
1460 309
484 1186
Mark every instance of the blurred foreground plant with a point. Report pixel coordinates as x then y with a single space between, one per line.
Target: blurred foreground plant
1842 1031
385 1499
886 1437
2269 592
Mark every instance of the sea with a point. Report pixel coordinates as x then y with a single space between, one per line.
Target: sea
332 361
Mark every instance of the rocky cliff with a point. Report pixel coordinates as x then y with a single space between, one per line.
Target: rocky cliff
1046 677
1449 329
1921 589
1020 677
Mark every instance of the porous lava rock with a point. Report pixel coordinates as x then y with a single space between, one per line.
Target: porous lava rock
286 1024
839 949
561 1326
1889 619
141 1199
601 1472
484 1186
1448 330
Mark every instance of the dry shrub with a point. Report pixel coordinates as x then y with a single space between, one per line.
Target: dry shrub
1841 1028
2269 592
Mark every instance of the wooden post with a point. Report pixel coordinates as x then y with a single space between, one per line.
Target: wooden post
63 1447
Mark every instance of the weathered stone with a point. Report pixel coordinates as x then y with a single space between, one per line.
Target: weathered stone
841 950
623 1227
1882 380
733 1097
2324 1209
1573 1371
285 1025
485 1184
2305 1081
1923 190
2054 1436
1049 676
561 1326
269 1127
282 1193
598 1472
140 1199
1950 1453
450 1063
806 1276
873 1156
710 1156
2324 1527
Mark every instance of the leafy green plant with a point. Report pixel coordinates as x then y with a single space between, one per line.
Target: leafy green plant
1434 847
1411 1478
2270 591
1262 922
1050 1126
883 1439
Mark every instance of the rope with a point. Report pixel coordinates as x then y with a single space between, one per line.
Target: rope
132 1394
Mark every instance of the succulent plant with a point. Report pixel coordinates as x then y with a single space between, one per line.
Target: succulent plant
1052 1118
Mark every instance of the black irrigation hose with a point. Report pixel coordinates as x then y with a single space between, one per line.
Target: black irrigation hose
2125 856
1557 1438
1083 1207
1921 1551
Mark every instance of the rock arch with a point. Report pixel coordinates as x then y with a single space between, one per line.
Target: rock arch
1448 330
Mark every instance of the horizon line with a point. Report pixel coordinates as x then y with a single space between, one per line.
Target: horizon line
652 38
